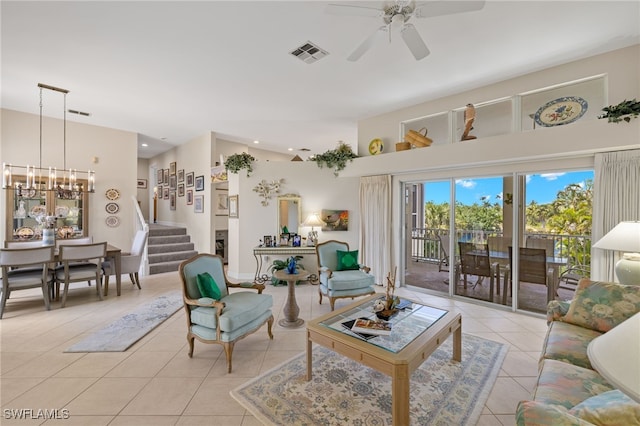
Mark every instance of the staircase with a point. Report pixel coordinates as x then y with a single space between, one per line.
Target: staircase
167 247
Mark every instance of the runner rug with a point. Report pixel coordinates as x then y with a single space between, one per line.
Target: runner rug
124 332
341 392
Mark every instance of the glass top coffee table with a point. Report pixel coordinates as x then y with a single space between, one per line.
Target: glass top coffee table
416 332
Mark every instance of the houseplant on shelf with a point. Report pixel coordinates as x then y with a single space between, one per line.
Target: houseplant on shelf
624 111
237 162
335 159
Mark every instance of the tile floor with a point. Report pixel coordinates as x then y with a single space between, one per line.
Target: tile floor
156 383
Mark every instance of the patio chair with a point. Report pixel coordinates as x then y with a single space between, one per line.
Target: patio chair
570 277
475 260
532 268
541 243
340 274
214 315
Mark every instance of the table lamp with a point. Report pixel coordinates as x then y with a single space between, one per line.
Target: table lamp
624 237
313 220
615 356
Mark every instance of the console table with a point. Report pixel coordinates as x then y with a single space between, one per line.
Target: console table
260 252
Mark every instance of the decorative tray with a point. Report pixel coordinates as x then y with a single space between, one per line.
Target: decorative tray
561 111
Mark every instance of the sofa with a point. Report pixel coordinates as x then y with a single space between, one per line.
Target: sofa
568 390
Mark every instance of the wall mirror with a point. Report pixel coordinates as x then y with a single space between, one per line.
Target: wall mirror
289 213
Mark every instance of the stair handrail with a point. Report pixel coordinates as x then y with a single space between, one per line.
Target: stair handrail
140 224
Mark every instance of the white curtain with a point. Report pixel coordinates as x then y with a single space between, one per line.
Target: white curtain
616 198
375 225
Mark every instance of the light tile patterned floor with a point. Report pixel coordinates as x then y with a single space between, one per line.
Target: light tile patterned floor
156 383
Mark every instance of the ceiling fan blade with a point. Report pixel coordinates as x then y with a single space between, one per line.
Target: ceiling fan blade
366 45
414 42
351 10
439 8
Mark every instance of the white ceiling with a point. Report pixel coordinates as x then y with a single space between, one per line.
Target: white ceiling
172 71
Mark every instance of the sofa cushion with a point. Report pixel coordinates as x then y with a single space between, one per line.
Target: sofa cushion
567 385
533 413
601 305
347 260
241 308
608 408
568 343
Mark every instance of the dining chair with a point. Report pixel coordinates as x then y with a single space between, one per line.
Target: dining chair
24 268
475 260
129 262
532 268
80 262
541 243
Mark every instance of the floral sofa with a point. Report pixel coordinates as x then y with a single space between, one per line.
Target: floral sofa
568 390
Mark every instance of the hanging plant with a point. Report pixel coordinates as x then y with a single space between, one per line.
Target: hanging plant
624 111
237 162
336 158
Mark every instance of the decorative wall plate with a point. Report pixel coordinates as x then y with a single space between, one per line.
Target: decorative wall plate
112 194
561 111
65 232
62 211
38 210
112 208
25 233
376 146
112 221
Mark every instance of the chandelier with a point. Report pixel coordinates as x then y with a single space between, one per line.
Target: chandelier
28 179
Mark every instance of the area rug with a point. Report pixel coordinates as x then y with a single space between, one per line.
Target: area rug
124 332
341 392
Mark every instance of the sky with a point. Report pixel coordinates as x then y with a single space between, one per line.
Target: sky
541 188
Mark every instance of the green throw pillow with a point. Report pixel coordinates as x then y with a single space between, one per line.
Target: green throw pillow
208 287
347 260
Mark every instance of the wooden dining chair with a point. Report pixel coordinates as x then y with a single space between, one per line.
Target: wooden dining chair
80 262
24 268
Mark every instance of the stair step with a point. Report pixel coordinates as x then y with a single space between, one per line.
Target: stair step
166 230
169 239
167 257
162 267
167 248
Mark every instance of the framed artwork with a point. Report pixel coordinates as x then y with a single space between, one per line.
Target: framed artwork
165 176
181 175
172 200
159 193
284 239
199 183
297 240
222 204
172 182
165 192
233 206
218 174
189 179
142 183
172 168
335 220
181 190
198 204
159 174
189 197
267 241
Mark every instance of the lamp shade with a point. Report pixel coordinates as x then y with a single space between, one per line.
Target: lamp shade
313 220
624 237
616 354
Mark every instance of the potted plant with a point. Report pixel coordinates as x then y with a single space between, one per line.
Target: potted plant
335 158
624 111
279 265
236 162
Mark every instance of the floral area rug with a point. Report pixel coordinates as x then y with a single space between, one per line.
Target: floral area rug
344 392
124 332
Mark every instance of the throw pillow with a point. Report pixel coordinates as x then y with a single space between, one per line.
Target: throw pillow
347 260
608 408
207 286
601 305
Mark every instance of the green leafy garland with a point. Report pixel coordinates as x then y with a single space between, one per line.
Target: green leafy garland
624 111
237 162
335 158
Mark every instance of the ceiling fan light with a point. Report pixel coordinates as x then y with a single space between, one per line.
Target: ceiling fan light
397 21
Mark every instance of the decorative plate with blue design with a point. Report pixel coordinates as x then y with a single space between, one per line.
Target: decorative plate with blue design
561 111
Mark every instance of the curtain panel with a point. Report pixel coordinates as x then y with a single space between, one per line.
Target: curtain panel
376 247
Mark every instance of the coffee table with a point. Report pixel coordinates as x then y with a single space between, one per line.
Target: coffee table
416 333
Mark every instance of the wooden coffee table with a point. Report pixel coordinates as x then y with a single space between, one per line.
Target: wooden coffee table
417 332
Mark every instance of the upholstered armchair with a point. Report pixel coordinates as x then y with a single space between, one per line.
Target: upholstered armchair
214 315
340 274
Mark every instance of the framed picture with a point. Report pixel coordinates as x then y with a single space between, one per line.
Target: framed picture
233 206
172 168
335 220
172 200
222 204
284 239
200 183
297 240
172 183
267 241
165 192
189 197
159 193
181 175
198 204
142 183
189 179
159 174
165 176
181 190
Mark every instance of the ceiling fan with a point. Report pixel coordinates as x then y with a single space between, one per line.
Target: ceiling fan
397 15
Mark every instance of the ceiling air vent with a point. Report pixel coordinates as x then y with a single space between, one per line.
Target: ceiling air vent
73 111
309 53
